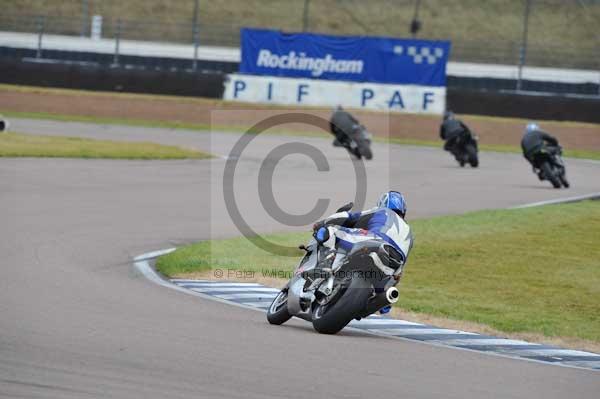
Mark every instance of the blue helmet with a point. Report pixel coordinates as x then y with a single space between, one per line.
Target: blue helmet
393 200
531 127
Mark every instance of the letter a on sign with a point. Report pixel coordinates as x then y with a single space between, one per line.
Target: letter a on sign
396 100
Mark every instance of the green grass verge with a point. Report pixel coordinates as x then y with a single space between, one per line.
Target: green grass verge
525 270
581 154
25 145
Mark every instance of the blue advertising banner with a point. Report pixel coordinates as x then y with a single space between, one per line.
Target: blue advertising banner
346 58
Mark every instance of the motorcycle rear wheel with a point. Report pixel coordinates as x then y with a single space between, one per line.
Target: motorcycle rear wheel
563 180
550 175
472 155
365 150
330 319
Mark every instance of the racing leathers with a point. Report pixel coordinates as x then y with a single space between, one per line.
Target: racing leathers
533 142
342 124
450 130
377 223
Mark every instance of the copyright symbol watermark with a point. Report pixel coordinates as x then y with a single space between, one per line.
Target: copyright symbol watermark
266 171
218 273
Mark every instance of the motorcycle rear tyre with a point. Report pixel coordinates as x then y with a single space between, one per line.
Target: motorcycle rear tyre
550 175
472 156
344 310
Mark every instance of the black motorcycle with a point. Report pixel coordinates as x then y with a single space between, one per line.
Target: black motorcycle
358 143
465 149
550 166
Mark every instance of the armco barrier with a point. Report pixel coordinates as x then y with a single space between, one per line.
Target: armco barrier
536 107
93 77
169 63
211 85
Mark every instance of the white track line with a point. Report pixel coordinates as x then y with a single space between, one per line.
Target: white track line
559 201
366 322
234 289
245 296
213 284
421 331
143 266
484 342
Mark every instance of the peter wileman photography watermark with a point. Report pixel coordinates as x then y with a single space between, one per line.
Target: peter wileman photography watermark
241 274
265 179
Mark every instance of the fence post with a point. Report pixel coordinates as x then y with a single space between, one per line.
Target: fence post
305 16
523 49
41 26
415 24
195 19
85 15
196 44
195 35
117 42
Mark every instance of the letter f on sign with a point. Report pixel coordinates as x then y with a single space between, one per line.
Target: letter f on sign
238 86
302 91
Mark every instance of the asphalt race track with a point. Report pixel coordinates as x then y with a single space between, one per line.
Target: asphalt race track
77 321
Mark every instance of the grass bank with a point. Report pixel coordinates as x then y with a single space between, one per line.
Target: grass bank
25 145
534 270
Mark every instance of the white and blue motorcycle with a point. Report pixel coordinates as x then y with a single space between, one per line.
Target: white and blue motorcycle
363 284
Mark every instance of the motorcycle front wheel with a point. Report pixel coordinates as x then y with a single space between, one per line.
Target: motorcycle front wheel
278 312
331 318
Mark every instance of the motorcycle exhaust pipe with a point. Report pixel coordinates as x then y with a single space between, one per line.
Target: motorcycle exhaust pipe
392 295
3 124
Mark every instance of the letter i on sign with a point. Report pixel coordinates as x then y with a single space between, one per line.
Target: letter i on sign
270 91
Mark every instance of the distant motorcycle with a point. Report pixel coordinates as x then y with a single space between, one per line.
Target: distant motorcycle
358 143
550 166
465 150
329 299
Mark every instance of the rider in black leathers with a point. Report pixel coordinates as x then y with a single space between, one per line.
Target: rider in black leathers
451 129
533 141
342 125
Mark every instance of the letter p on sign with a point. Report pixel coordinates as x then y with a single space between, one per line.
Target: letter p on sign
238 86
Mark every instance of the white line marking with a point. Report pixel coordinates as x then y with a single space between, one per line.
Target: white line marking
257 304
154 254
241 296
211 284
143 266
229 289
483 342
559 201
592 364
421 331
370 321
562 352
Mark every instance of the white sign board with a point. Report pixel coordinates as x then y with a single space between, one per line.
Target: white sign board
327 93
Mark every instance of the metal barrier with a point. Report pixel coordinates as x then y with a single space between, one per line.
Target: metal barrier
551 33
554 33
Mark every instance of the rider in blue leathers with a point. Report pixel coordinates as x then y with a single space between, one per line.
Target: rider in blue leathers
385 222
